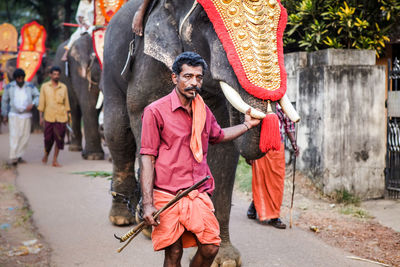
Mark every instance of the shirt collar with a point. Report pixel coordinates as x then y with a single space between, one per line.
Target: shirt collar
14 83
175 101
58 85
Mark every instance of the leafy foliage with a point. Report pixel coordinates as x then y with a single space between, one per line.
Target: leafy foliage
243 176
102 174
355 212
351 24
345 197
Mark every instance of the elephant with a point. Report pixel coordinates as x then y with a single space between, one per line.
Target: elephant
82 79
40 75
37 80
171 27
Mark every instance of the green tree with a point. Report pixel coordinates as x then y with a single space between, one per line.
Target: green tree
351 24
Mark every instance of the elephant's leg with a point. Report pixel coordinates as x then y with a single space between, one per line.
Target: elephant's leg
76 116
93 149
35 120
222 161
121 143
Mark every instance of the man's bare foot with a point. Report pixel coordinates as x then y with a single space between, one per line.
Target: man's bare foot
56 164
44 159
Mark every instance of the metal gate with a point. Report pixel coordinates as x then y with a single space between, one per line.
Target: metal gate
392 172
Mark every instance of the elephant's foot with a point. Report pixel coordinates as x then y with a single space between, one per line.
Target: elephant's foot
73 147
93 156
120 215
228 256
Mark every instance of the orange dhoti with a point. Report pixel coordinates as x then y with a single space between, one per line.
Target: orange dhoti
192 215
268 184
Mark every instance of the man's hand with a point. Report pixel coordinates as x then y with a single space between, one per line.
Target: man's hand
148 212
249 120
41 122
29 108
292 139
296 149
5 120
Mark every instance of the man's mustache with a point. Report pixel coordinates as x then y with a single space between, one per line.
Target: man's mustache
198 90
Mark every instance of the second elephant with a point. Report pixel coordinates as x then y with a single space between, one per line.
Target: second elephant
82 79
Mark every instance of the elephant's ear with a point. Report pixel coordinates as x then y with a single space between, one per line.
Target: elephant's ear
161 38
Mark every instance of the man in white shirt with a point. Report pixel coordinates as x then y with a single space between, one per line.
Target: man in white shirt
85 18
17 102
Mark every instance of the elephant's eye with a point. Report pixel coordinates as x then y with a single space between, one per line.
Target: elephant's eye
204 17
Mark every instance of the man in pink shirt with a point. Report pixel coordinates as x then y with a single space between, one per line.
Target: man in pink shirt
176 130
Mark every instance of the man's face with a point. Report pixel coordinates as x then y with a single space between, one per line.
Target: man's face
189 81
20 80
55 76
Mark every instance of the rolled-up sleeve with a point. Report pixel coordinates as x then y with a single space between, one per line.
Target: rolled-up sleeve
216 132
150 141
66 103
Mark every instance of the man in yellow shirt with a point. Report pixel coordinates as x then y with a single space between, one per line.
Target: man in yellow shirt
54 108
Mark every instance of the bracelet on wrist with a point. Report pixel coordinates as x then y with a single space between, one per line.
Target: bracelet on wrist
246 126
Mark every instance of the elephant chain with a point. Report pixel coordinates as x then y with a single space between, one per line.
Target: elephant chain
125 199
89 72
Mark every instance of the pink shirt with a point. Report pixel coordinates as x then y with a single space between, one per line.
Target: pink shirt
166 131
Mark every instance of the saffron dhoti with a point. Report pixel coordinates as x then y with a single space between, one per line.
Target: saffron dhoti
192 215
268 184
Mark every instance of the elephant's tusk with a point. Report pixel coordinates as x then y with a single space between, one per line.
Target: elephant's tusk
100 100
238 103
288 108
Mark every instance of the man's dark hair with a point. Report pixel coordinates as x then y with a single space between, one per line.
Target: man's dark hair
18 73
189 58
55 68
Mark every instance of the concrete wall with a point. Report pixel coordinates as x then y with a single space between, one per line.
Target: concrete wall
340 96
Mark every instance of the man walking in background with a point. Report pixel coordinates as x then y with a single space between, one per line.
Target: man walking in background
17 103
268 181
54 108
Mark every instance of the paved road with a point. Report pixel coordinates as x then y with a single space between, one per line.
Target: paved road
71 212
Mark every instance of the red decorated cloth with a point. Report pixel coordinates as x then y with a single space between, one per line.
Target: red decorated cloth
224 31
32 48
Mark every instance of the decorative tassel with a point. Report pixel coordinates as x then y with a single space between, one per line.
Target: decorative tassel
270 137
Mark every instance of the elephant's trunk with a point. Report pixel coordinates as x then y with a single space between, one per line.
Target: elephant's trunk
248 143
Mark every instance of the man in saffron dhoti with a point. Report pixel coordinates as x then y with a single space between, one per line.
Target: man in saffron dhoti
176 130
268 181
54 108
18 99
